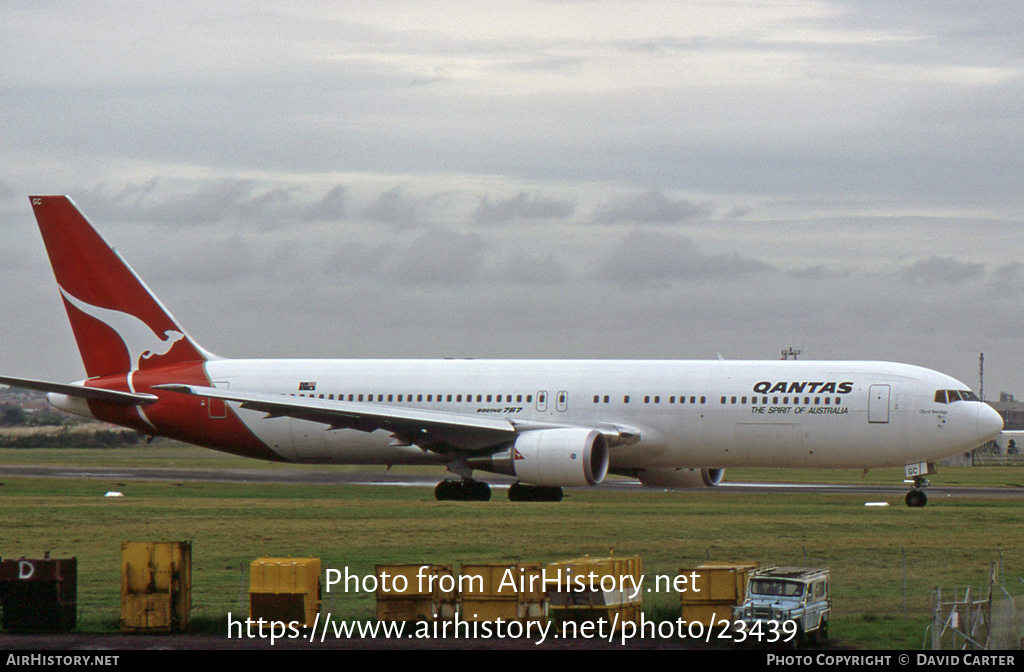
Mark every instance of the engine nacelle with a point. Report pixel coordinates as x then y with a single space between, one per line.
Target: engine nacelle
681 478
553 457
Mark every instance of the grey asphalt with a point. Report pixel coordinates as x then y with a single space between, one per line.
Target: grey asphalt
385 479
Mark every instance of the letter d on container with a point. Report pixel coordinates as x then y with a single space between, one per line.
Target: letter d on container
26 569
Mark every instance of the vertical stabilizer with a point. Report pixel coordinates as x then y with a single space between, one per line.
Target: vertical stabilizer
120 326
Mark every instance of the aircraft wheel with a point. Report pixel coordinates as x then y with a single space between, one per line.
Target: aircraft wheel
520 492
466 490
916 499
446 491
477 491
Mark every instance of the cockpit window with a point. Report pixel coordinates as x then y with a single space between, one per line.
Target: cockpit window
949 396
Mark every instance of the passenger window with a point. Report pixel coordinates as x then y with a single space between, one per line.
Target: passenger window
360 397
693 400
458 397
702 400
672 400
488 398
449 397
657 399
606 398
775 400
596 398
390 398
723 400
529 398
519 398
827 400
743 400
625 399
647 400
498 399
785 400
733 400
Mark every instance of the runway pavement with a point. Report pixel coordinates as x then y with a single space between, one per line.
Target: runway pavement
385 479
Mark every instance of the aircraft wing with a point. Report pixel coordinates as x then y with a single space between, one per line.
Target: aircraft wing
81 391
431 430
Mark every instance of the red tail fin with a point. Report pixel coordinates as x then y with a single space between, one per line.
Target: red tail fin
119 324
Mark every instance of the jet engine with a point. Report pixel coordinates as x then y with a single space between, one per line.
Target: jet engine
552 457
680 478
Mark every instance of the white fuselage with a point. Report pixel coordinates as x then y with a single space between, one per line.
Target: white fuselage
732 414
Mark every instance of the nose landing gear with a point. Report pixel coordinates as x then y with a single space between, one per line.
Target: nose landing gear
916 498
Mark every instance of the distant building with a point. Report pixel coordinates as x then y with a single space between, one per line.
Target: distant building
1013 420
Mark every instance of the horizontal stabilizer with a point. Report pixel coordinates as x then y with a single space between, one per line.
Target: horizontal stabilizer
80 391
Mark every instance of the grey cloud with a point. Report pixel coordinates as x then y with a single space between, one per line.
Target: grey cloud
400 211
210 262
1008 279
360 260
210 202
246 201
941 270
644 259
440 257
521 206
7 192
650 207
530 270
329 208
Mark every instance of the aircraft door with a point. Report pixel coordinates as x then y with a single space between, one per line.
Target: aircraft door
542 401
878 403
562 401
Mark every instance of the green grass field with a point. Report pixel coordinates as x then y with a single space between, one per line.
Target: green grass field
949 543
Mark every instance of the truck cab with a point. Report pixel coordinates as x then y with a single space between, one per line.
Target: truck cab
782 594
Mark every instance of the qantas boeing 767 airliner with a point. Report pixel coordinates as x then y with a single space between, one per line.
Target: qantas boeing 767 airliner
551 424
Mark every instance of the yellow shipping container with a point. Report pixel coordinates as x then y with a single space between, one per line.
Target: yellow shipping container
510 591
430 592
587 589
717 588
285 589
156 585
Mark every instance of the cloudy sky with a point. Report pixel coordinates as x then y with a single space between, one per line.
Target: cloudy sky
628 179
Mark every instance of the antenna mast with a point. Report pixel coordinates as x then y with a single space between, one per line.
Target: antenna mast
981 376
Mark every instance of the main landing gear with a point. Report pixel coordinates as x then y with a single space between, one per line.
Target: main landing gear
466 490
469 490
519 492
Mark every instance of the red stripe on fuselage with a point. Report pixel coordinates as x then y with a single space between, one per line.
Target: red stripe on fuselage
179 416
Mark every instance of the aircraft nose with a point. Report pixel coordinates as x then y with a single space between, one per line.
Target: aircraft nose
990 423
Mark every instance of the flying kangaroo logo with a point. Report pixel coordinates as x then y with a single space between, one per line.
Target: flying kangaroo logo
140 340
